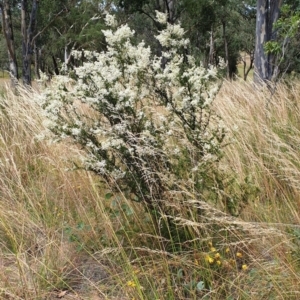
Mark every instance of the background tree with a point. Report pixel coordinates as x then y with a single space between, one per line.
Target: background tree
28 29
286 46
47 31
77 27
267 15
246 37
8 32
220 28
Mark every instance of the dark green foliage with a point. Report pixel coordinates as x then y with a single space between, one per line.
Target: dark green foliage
64 25
71 25
131 6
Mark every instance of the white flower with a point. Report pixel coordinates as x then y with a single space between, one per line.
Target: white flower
195 169
121 34
99 166
148 124
92 146
207 146
120 128
172 37
117 174
75 131
110 20
49 123
161 17
176 151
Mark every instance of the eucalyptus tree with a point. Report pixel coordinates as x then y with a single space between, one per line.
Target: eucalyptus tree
25 20
29 30
265 68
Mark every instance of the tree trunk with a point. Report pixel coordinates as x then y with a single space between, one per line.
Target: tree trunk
36 62
226 50
170 6
211 59
27 38
56 69
9 37
267 14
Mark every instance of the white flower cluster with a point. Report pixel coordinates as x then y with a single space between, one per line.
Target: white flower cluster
172 37
112 110
122 33
161 17
111 21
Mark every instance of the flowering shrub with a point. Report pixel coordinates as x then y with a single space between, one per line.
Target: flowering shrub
146 129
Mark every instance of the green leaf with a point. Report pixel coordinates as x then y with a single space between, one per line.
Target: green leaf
180 273
200 286
127 209
80 225
108 196
190 286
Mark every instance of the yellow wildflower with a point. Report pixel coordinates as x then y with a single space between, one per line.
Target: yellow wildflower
217 255
213 249
131 283
227 250
244 267
239 254
209 259
219 262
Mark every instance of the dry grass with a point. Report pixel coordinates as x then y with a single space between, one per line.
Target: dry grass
265 147
63 235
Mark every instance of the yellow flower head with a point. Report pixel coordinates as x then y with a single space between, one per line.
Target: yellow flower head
239 254
227 250
209 259
244 267
131 283
213 249
219 262
217 255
